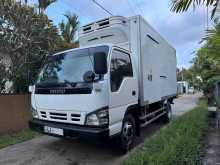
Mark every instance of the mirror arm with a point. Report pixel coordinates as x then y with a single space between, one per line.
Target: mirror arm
98 79
100 76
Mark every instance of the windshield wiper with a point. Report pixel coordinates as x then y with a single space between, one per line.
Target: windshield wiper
66 83
48 84
70 84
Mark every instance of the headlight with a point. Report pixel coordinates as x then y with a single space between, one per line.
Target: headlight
98 118
34 113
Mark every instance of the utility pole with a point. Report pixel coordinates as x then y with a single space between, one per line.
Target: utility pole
182 73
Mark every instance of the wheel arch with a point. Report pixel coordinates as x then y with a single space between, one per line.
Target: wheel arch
134 111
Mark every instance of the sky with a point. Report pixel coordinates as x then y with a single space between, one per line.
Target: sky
183 31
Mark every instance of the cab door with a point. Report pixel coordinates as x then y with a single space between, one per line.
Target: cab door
123 87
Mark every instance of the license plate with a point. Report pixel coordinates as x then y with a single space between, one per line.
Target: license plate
52 130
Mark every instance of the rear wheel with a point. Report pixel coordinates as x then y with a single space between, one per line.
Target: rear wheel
168 116
128 133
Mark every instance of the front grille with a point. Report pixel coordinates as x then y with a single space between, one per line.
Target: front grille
59 116
66 117
43 114
75 117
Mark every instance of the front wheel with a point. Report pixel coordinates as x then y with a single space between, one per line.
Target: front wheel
127 134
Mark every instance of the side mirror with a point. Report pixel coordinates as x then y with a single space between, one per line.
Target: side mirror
100 63
31 88
89 76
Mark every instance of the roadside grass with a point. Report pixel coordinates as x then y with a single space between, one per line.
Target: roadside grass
182 142
13 138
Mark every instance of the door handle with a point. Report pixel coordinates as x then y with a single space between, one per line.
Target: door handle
133 93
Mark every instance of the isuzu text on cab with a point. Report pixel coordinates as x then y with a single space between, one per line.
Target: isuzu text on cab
121 78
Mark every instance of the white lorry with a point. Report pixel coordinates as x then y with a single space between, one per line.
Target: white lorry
121 78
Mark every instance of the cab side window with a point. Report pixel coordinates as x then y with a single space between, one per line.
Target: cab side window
120 67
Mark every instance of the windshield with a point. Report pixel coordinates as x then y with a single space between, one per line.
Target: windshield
69 67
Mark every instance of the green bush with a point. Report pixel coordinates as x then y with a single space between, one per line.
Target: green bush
13 138
180 143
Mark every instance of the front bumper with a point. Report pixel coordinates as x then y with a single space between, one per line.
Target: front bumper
70 130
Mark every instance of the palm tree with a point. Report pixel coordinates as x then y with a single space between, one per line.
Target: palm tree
183 5
68 29
43 4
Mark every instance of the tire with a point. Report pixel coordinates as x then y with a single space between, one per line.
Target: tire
168 116
127 135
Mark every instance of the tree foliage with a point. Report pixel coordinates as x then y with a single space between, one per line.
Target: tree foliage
190 76
184 75
206 64
27 37
68 28
183 5
43 4
3 75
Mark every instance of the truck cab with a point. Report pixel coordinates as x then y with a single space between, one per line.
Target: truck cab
76 92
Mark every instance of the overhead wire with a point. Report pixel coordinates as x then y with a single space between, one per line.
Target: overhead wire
81 12
102 7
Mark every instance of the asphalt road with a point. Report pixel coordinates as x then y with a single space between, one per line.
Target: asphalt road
46 150
185 103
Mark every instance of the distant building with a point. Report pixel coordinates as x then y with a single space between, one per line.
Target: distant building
182 87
